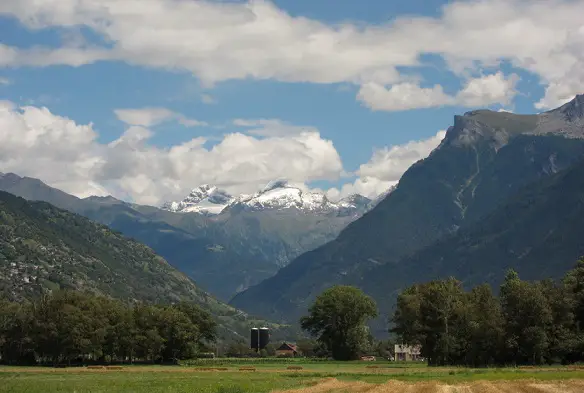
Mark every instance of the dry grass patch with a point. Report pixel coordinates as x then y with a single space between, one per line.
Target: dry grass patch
333 385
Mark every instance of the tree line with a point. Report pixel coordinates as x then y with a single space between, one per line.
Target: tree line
528 323
68 327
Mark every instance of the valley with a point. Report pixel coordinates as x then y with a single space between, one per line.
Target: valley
283 196
224 253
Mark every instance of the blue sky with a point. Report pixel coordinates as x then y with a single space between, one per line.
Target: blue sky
372 100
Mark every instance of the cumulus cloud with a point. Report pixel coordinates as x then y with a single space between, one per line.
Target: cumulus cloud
386 167
272 127
482 91
402 96
148 117
488 90
35 142
218 41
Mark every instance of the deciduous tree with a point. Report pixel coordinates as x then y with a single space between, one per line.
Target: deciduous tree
337 318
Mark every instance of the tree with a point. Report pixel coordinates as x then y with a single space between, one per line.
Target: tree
203 319
485 327
528 317
337 318
434 315
16 345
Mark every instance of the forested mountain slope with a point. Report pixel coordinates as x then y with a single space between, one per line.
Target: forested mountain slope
43 248
485 158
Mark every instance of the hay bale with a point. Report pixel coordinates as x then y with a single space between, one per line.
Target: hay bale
247 369
294 367
114 368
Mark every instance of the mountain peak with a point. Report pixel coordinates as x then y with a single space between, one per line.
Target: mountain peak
356 199
103 199
9 176
573 110
499 127
204 199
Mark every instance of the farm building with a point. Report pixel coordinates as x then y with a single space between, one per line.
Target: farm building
287 350
407 353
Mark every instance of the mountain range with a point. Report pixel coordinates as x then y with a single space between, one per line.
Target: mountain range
277 195
461 211
226 252
502 190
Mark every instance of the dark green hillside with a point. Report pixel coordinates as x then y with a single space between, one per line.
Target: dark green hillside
43 248
50 248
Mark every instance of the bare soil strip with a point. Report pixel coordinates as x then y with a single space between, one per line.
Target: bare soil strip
332 385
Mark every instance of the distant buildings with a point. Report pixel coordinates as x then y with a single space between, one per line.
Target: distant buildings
286 350
407 353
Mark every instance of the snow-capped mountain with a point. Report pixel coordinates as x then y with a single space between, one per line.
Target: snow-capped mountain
277 195
205 199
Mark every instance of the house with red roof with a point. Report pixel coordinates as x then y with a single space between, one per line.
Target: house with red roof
286 350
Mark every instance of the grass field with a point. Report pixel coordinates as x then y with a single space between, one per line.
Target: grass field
318 377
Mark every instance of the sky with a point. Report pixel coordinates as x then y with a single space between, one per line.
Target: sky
147 99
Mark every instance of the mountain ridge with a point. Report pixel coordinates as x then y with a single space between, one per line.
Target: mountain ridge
276 195
484 159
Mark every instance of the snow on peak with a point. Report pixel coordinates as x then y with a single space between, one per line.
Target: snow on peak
205 199
355 200
276 195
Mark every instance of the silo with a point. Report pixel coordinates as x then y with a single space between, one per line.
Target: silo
254 338
264 337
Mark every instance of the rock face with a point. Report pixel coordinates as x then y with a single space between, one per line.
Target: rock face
484 160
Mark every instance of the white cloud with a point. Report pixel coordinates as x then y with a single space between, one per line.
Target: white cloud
488 90
477 92
148 117
402 96
44 57
386 167
272 127
5 81
34 142
217 41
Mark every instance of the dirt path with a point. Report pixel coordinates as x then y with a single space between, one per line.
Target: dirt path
335 386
